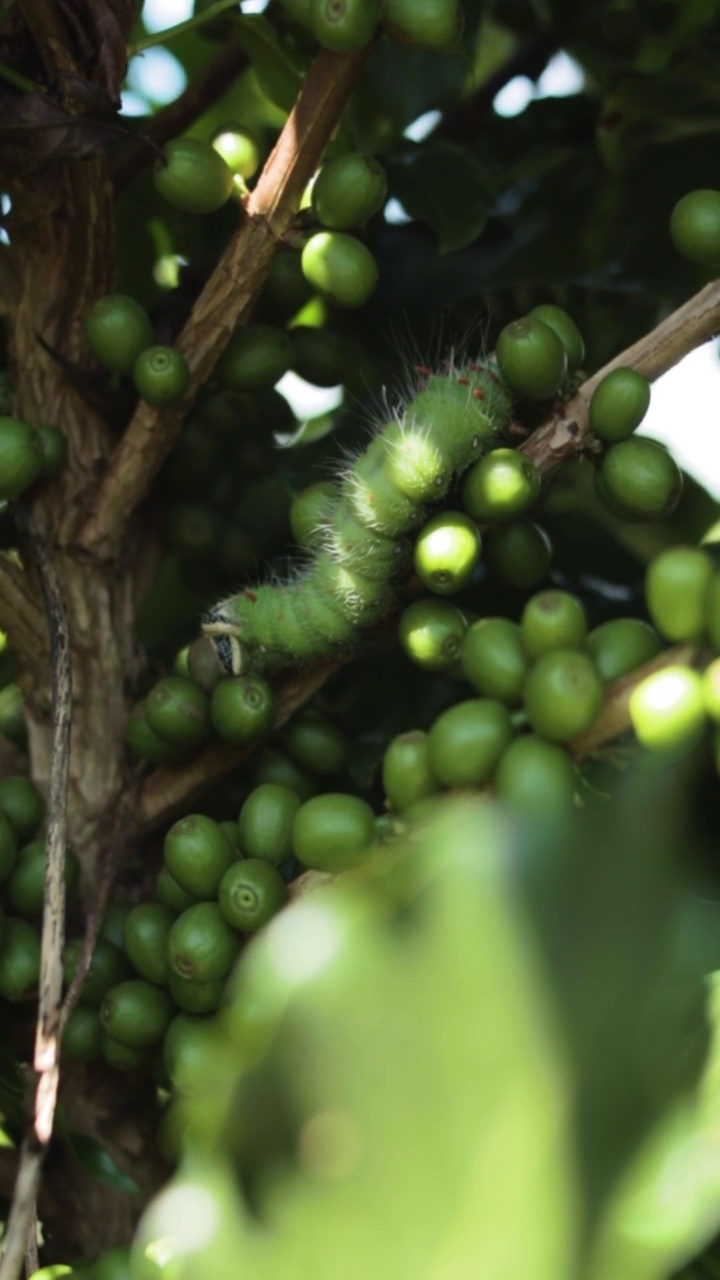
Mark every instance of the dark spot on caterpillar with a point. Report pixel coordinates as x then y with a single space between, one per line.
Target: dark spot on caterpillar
228 652
463 382
478 394
250 595
424 370
572 428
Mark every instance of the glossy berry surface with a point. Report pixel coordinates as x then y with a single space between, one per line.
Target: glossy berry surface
340 267
192 176
695 226
619 404
447 552
117 329
563 694
531 358
161 376
348 190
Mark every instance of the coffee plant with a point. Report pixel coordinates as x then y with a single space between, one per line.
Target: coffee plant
359 817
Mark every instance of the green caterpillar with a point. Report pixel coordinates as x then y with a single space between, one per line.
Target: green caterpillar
381 499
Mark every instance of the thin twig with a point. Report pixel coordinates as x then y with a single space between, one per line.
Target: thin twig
229 295
169 791
32 1260
614 718
562 437
47 1046
202 92
565 435
190 24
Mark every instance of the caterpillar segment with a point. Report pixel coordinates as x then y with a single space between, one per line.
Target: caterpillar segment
364 539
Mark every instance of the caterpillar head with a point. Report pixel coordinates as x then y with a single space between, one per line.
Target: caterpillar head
223 632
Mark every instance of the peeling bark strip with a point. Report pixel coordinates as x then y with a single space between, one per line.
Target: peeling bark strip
229 295
21 1225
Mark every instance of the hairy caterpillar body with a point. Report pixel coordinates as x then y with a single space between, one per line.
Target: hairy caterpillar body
364 547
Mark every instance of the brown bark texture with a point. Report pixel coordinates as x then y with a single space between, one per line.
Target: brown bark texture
56 146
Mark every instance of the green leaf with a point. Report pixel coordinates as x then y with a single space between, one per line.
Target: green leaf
98 1161
280 75
443 186
375 1148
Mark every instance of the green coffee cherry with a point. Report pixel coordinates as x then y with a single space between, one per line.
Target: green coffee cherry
407 774
621 646
108 966
494 659
54 448
117 330
695 226
113 922
19 959
333 832
319 356
266 820
201 944
531 358
251 892
668 709
500 486
639 480
178 711
172 895
432 632
196 997
275 766
193 530
242 708
189 1043
136 1013
286 291
122 1057
676 591
21 457
712 617
197 854
340 267
431 24
256 356
25 888
711 690
23 805
161 376
82 1037
447 552
567 331
238 147
518 553
552 620
536 777
315 742
344 25
145 936
12 714
563 694
8 847
348 190
146 743
192 176
194 463
618 404
467 740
